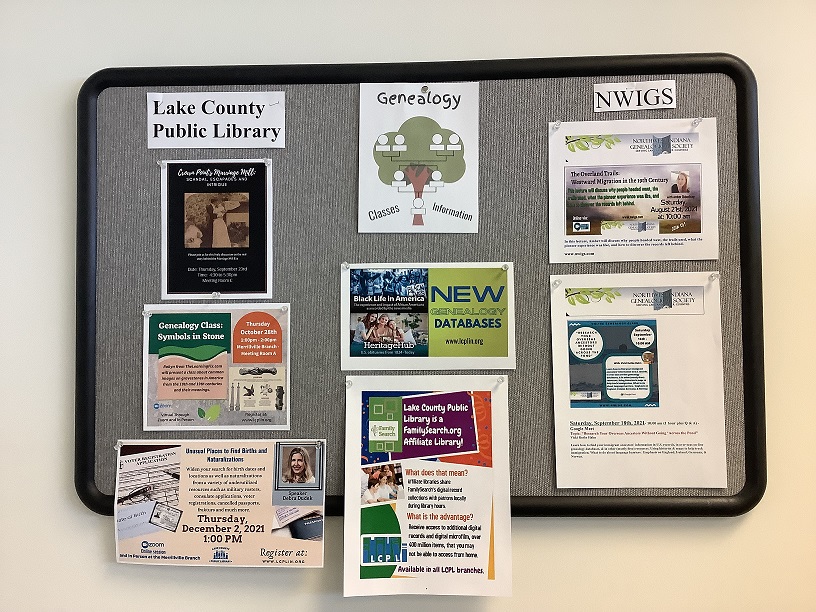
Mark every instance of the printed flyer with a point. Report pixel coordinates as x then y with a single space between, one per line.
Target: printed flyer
216 229
216 366
638 380
398 316
419 158
633 190
245 503
427 495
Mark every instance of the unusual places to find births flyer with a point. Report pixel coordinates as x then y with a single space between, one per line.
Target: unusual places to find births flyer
220 502
427 496
638 380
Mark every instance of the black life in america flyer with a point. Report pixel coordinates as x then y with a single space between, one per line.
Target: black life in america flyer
216 229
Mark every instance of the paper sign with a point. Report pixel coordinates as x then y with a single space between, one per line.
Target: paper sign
633 190
427 316
638 380
419 158
634 96
427 497
216 502
216 120
216 366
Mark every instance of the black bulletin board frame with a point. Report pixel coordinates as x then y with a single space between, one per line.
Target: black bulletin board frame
89 171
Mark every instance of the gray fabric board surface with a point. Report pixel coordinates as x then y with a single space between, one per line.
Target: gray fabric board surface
315 229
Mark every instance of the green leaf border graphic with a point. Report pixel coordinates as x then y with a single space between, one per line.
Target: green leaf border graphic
590 141
586 295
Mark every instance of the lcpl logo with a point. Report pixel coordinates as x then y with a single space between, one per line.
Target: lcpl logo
383 550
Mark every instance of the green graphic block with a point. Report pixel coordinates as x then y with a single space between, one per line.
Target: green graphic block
385 425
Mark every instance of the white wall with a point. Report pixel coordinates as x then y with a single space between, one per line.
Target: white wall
57 555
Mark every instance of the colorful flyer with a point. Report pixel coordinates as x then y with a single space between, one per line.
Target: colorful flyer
216 366
427 495
638 380
216 229
245 503
633 190
398 316
419 158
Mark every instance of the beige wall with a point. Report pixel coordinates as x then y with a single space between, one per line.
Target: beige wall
56 555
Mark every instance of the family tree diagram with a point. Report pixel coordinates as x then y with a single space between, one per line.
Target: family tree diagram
420 158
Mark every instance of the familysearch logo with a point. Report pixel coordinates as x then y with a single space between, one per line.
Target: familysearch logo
385 424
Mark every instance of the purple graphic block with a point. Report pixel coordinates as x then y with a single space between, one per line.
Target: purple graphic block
437 424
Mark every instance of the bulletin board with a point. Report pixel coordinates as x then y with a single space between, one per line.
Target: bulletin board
315 231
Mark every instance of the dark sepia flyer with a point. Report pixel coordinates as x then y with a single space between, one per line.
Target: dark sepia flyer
216 229
216 366
240 503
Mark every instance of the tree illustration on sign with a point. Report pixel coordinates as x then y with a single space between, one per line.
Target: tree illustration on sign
420 157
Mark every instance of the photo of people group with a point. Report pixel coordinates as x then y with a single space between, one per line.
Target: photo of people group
389 328
390 283
216 220
389 311
381 484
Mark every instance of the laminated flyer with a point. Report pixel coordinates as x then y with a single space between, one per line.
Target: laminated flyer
244 503
633 190
398 316
216 366
427 496
638 380
216 229
419 158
